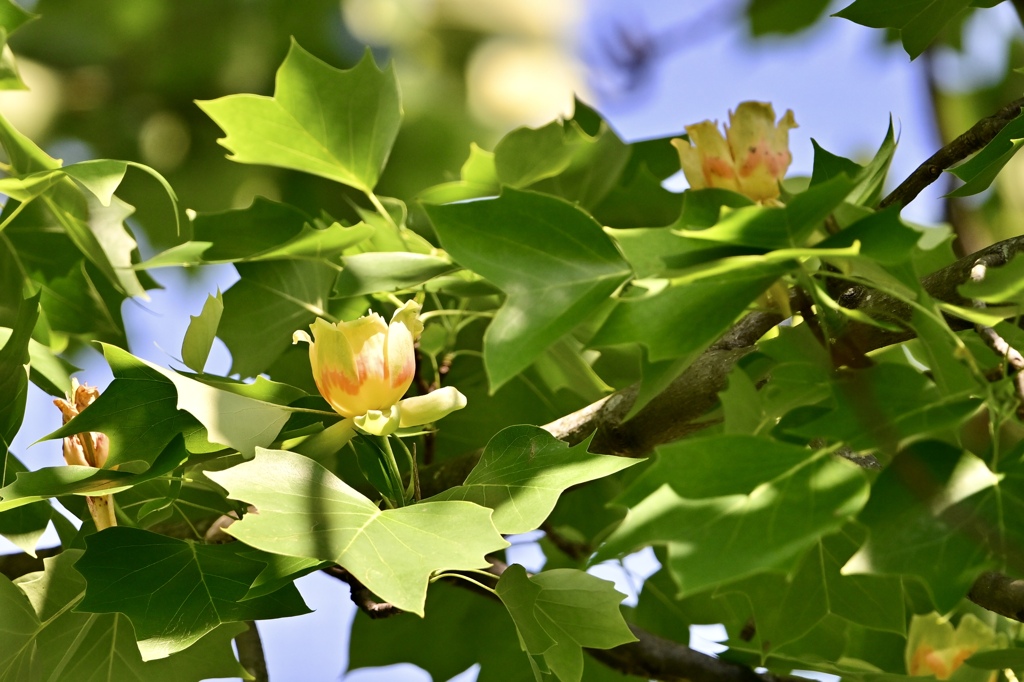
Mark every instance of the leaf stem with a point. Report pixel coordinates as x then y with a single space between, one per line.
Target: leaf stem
380 208
466 578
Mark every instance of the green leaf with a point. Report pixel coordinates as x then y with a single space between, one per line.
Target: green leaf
137 412
552 260
479 178
265 230
767 228
371 273
655 320
202 328
884 406
940 514
715 540
333 123
714 466
268 303
459 629
564 366
306 511
29 487
230 419
883 237
145 576
918 21
19 624
63 644
1004 284
522 472
527 155
785 17
47 370
14 371
25 526
559 612
981 170
870 178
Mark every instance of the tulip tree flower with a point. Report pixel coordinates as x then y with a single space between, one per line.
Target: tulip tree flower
89 449
936 649
364 367
751 158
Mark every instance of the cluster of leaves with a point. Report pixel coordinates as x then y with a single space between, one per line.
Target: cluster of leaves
834 491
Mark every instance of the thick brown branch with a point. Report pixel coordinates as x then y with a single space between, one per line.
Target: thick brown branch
979 135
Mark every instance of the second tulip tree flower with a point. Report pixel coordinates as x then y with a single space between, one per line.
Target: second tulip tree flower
751 158
364 367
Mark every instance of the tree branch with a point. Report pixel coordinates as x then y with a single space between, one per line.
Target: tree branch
979 135
250 653
361 596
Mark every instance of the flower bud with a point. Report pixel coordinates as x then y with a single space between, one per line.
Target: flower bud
83 449
751 158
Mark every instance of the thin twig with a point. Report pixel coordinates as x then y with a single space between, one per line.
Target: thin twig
997 343
979 135
361 596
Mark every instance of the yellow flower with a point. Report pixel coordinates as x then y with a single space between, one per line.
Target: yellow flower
363 368
936 649
751 158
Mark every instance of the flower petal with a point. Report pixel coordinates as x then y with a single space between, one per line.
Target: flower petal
379 422
424 409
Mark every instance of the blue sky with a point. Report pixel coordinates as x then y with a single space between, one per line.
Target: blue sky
839 80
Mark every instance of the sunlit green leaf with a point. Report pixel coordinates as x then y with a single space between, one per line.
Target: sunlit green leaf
522 472
304 510
714 540
559 612
321 120
552 260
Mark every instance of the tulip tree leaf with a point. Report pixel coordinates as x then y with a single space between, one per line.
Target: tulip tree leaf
371 273
195 347
138 411
558 612
51 640
552 260
1004 284
459 629
47 370
881 406
265 230
14 371
786 17
28 487
941 515
231 419
25 526
175 591
656 320
333 123
714 540
981 170
522 472
268 303
918 21
306 511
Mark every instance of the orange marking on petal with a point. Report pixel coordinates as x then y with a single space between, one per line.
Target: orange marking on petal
717 167
405 374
